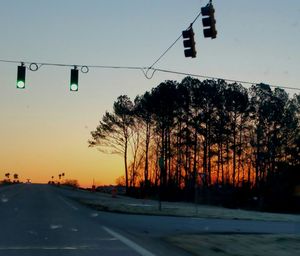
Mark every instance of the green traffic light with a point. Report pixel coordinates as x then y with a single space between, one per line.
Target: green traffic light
74 80
74 87
21 77
20 84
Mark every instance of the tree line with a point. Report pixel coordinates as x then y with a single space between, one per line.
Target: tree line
183 135
7 178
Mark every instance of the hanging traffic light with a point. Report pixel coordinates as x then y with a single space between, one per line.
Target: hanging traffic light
209 23
189 43
21 77
74 79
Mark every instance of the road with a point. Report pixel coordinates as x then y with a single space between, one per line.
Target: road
42 220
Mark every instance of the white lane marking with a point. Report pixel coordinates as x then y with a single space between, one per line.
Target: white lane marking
141 205
69 204
4 199
107 239
79 247
55 226
39 248
129 243
32 232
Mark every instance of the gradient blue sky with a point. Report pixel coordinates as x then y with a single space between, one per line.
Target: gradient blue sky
44 128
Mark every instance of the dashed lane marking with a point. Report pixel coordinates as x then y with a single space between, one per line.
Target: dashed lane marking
69 204
80 247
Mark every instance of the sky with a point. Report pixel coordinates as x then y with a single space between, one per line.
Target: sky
45 128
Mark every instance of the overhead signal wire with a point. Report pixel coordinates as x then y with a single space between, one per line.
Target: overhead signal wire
221 78
34 66
169 48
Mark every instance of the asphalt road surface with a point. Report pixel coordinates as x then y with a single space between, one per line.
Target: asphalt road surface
42 220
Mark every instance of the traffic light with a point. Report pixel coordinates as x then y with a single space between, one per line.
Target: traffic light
189 43
74 80
21 77
209 23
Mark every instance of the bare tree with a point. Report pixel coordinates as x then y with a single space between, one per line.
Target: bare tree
113 133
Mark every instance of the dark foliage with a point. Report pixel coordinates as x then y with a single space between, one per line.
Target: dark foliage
208 141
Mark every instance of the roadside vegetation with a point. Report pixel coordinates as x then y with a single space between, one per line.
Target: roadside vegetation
209 142
10 179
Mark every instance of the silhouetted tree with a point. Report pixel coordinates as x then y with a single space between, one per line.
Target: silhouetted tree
164 105
221 133
143 112
16 177
7 175
114 131
236 104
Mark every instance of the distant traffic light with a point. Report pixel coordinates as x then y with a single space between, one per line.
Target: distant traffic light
74 79
189 43
209 23
21 77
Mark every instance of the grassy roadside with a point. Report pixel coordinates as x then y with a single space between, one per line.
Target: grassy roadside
136 206
208 243
238 244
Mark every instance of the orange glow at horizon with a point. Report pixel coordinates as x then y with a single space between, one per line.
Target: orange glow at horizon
97 168
37 150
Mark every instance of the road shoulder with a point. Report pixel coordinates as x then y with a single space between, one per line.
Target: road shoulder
238 244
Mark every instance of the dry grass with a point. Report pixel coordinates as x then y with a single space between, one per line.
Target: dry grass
207 244
150 207
238 245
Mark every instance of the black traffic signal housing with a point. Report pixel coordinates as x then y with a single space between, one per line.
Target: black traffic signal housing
189 43
74 80
21 74
209 22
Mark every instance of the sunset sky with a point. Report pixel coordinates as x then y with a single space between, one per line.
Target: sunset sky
45 127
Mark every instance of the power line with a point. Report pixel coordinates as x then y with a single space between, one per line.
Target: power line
169 48
85 69
37 65
220 78
164 53
40 64
34 66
